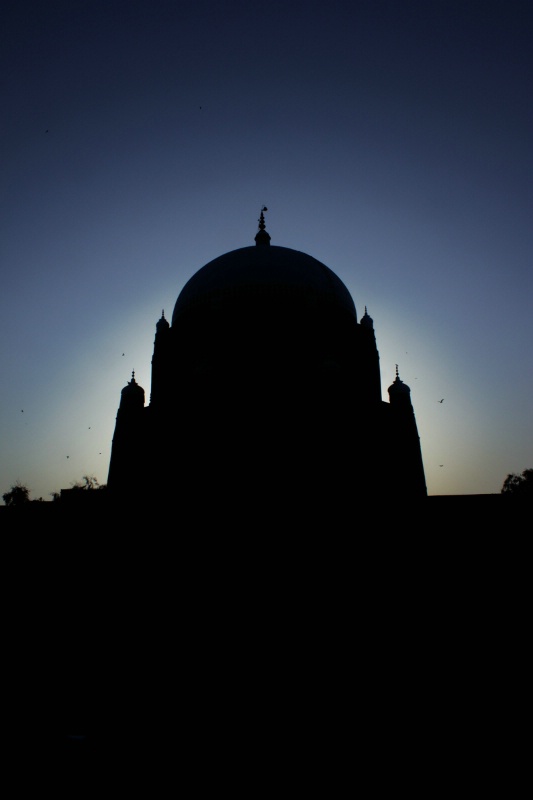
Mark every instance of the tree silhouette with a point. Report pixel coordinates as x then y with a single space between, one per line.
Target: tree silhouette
88 483
519 485
18 495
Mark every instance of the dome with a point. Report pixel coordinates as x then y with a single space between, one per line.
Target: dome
366 320
265 271
132 394
398 387
162 324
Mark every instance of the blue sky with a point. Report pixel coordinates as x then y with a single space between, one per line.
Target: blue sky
392 140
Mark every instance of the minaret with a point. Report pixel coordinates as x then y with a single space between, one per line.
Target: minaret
406 454
160 366
127 449
369 358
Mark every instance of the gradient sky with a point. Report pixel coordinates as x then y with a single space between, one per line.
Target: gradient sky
390 139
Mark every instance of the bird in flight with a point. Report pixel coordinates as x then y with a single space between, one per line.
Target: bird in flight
441 465
440 401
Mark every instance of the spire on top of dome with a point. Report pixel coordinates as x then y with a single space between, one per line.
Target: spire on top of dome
366 320
262 237
162 323
399 385
132 395
133 386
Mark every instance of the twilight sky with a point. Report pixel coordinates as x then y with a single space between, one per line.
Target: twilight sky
390 139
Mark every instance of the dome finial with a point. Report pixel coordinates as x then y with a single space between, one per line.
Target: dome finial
398 387
262 236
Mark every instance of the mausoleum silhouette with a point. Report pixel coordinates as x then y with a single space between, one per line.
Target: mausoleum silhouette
265 397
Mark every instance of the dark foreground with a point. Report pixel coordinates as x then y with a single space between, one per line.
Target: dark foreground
362 656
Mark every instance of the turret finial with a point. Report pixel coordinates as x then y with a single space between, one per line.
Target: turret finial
262 237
